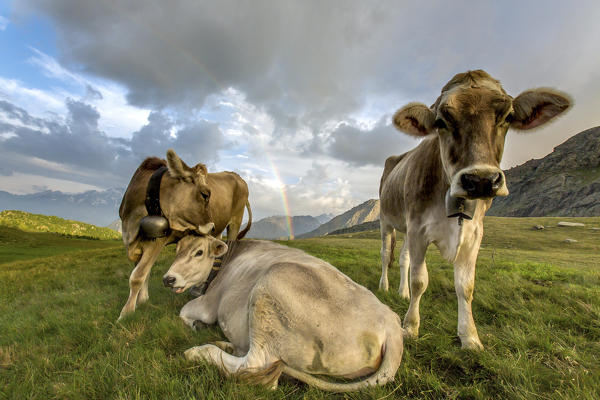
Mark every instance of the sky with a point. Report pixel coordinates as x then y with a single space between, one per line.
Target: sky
295 96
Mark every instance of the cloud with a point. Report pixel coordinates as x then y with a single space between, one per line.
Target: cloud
311 63
363 147
3 23
79 151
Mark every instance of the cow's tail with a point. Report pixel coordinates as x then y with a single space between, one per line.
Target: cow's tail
243 232
387 369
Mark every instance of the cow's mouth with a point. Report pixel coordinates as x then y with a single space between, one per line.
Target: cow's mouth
178 289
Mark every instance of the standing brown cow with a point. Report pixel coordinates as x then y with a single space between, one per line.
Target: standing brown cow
190 199
454 172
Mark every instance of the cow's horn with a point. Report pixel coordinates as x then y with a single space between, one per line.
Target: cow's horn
206 228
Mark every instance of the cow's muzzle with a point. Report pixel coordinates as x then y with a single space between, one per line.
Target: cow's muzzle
479 183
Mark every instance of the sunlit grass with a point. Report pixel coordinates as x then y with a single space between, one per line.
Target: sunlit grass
536 305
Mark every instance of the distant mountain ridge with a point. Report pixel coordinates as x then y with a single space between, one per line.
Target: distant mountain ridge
276 227
94 207
566 182
365 212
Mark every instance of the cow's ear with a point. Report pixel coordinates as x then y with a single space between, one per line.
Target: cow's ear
535 107
177 168
415 119
200 171
217 248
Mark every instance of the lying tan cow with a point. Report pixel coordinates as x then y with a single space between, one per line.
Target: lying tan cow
439 191
285 311
190 199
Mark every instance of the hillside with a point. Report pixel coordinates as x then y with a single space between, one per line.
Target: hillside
43 223
564 183
94 207
276 226
365 212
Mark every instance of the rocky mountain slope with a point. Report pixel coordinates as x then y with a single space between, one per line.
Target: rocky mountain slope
276 227
365 212
94 207
564 183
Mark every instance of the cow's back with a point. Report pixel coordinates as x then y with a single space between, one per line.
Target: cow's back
298 296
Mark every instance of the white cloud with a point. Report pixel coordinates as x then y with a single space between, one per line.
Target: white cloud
3 23
20 183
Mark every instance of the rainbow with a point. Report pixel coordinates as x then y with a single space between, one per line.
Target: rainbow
284 198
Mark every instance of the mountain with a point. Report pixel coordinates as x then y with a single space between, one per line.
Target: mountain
564 183
94 207
116 225
276 227
365 212
323 218
28 222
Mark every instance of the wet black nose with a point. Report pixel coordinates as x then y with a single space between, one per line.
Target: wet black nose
482 185
169 281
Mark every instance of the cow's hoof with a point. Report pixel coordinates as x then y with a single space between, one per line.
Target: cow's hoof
404 293
472 344
193 354
125 312
411 332
199 325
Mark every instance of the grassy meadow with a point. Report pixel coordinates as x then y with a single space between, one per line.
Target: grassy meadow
536 305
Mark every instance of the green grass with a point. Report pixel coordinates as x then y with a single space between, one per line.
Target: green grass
536 305
46 223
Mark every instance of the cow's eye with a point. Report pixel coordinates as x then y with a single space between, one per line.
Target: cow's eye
205 195
509 118
440 124
199 253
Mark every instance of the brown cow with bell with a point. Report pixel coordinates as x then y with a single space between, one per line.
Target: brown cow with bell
167 199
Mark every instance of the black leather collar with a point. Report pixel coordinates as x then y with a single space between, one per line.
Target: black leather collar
153 192
211 277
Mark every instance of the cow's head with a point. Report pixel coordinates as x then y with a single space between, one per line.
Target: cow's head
194 259
184 195
471 118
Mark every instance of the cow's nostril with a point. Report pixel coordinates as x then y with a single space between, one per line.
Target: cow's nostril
469 181
169 281
496 180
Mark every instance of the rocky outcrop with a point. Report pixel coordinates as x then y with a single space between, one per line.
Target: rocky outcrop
564 183
365 212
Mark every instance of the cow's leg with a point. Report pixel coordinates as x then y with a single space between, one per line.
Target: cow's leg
388 241
464 283
254 366
143 294
150 252
404 268
233 228
198 313
419 279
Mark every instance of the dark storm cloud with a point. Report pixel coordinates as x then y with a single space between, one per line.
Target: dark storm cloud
77 150
312 61
362 147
